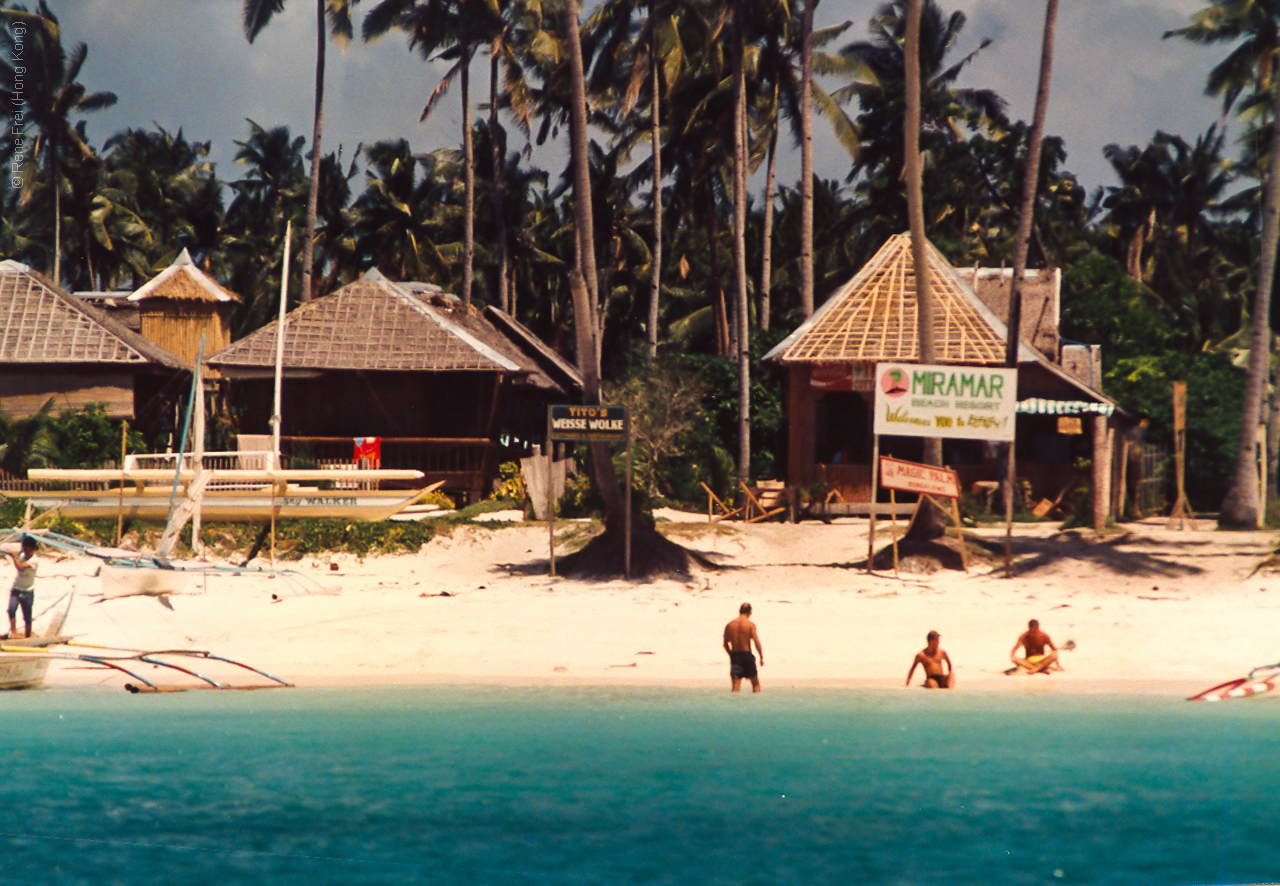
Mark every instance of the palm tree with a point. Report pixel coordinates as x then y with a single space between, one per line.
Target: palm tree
1026 213
52 94
399 217
648 58
1253 27
787 61
948 113
257 14
159 183
448 30
583 280
266 197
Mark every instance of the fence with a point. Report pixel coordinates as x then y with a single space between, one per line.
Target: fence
1151 486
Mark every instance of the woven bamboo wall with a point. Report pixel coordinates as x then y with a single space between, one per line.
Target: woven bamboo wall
177 328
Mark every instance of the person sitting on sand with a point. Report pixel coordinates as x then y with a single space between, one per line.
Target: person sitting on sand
739 634
23 593
1035 660
931 659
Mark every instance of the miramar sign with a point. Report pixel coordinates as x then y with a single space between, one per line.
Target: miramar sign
970 402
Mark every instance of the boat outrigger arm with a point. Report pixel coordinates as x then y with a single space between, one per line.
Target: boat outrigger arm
116 659
142 560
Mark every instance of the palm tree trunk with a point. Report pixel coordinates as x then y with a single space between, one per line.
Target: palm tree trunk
766 233
740 245
915 205
582 280
496 151
1026 216
655 138
1031 177
806 159
469 198
313 189
1240 506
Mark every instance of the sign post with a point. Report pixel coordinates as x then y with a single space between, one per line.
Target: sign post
923 400
593 424
923 480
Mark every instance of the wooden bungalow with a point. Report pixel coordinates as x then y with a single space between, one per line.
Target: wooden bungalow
449 390
830 359
175 309
55 346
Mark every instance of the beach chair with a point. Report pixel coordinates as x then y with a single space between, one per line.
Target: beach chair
717 510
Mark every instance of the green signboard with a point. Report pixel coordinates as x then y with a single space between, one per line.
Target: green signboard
597 423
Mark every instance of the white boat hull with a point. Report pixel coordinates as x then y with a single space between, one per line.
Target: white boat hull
19 672
236 507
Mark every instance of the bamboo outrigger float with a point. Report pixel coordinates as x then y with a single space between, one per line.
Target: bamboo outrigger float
128 662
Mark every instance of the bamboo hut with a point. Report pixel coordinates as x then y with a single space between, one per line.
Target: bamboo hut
830 359
54 346
175 309
448 389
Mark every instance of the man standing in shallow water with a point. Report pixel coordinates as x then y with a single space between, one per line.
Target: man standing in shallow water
739 634
931 658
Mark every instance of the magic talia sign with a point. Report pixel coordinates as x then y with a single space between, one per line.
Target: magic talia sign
970 402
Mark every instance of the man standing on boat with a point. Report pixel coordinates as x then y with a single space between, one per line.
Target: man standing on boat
23 592
739 634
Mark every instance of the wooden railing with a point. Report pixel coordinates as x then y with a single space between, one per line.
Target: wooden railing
465 464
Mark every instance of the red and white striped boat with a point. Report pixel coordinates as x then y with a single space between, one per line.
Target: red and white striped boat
1260 681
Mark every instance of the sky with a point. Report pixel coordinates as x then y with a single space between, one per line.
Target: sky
187 65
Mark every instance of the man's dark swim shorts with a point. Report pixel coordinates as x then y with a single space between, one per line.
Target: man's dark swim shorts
742 665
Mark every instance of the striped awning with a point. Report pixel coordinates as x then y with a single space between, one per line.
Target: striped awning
1040 406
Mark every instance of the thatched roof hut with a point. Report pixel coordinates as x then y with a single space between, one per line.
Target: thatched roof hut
175 309
830 361
53 345
407 363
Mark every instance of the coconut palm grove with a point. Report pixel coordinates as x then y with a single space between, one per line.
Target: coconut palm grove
667 241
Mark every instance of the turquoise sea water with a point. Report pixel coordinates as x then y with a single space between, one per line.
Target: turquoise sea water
634 786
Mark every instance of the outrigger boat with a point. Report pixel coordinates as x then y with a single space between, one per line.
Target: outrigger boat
132 663
223 486
25 660
225 495
1260 680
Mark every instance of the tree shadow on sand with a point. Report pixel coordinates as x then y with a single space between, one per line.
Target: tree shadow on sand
1127 554
653 556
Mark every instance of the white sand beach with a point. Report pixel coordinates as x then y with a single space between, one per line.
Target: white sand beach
1150 609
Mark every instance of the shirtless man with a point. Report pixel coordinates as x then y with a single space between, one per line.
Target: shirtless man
1034 642
739 634
931 659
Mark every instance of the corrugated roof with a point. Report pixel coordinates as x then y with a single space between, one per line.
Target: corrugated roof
373 324
873 317
183 281
42 323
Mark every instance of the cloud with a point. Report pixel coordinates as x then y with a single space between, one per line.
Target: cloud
188 65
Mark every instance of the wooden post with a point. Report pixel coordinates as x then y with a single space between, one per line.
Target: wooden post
955 514
551 505
1100 498
875 479
124 438
1181 513
626 550
893 528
